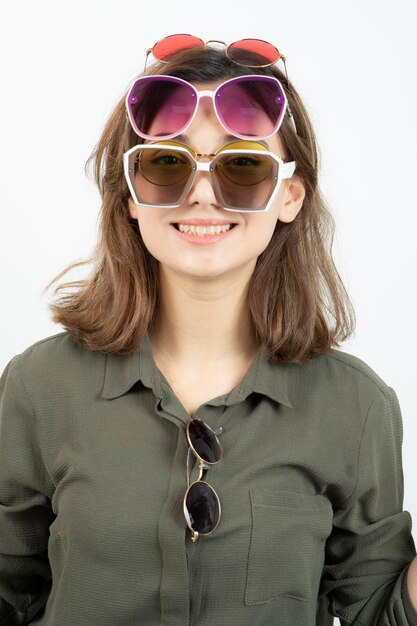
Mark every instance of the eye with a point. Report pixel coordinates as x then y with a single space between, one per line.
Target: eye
167 159
242 161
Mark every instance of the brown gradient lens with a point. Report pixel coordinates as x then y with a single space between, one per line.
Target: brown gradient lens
245 180
164 167
244 169
255 52
160 176
167 47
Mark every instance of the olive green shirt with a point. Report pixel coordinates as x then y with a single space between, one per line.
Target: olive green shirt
93 474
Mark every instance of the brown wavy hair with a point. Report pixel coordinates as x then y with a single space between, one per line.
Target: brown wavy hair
298 303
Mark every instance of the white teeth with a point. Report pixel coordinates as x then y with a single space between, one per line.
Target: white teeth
204 230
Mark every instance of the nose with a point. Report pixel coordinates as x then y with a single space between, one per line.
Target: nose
202 191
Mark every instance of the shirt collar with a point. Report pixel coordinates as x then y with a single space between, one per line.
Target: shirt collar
275 380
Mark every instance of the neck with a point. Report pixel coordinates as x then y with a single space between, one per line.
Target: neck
203 321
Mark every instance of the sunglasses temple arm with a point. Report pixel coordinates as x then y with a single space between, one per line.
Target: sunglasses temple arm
188 467
289 112
146 59
291 117
203 468
194 534
286 73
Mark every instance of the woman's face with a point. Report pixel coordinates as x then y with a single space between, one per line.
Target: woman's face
253 231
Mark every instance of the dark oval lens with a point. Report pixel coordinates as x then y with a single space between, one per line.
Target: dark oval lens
204 441
202 507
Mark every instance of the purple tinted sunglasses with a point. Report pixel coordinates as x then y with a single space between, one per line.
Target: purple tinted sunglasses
248 107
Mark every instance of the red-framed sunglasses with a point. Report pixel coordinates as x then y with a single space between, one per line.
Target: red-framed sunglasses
245 52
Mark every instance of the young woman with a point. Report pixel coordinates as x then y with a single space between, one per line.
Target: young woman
193 448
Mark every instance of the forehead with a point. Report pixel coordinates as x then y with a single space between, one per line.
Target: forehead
211 85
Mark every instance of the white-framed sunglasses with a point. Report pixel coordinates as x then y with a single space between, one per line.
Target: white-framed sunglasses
245 175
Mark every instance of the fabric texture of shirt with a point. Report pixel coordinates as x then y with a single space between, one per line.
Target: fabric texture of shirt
93 474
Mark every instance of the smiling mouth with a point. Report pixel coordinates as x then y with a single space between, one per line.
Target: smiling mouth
200 226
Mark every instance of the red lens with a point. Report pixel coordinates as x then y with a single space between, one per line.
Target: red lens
255 52
172 44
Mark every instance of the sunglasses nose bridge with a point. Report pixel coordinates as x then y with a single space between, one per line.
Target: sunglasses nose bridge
203 167
204 187
206 93
216 41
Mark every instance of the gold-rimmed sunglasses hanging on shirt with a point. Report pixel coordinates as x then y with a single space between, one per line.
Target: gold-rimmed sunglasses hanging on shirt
201 504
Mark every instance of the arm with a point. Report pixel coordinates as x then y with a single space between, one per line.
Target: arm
371 546
412 583
25 507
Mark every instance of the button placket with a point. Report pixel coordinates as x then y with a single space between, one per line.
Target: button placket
174 589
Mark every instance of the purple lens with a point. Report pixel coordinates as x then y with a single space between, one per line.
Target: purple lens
252 107
159 106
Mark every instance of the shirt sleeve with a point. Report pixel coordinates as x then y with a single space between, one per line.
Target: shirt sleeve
25 508
371 546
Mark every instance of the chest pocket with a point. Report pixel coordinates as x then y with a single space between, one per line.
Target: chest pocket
286 552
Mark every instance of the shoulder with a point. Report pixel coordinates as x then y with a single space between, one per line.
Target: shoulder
49 353
345 381
57 362
50 346
347 364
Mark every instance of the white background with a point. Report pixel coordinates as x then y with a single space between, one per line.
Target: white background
64 67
